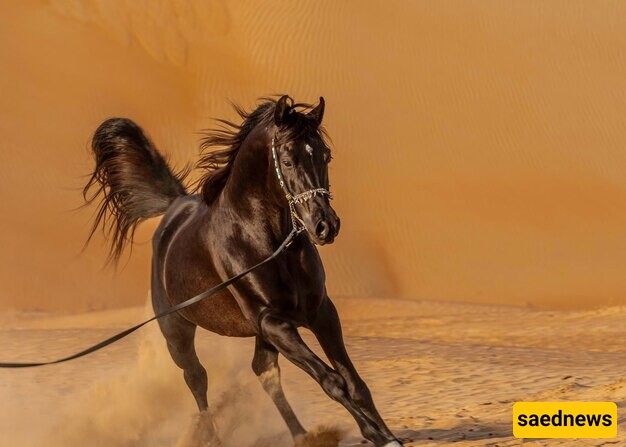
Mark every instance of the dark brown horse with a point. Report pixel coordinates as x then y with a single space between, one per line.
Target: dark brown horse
270 175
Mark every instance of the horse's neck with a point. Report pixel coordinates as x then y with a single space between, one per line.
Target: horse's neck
247 192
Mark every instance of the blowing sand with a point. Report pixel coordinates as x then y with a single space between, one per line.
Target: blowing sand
440 374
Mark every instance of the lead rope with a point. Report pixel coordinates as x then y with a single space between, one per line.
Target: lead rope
207 293
297 226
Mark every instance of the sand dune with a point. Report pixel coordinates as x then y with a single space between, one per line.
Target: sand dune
478 145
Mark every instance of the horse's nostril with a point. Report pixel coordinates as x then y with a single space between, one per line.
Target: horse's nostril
321 230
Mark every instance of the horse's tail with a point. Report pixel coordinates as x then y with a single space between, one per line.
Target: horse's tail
132 182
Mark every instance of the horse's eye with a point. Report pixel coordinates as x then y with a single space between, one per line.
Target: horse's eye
327 157
287 163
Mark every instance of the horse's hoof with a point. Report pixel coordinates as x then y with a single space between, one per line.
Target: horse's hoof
200 433
393 444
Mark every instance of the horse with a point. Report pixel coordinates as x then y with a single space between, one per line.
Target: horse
262 179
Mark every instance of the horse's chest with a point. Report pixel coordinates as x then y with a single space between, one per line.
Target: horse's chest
308 288
306 285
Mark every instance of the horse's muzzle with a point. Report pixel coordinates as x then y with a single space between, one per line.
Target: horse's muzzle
327 229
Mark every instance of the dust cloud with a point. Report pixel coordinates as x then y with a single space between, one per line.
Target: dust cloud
144 402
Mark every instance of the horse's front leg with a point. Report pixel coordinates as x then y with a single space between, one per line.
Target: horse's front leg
327 330
282 334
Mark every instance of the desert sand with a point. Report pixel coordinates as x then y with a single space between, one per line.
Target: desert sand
442 374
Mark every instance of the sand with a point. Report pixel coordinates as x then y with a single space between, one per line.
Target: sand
441 374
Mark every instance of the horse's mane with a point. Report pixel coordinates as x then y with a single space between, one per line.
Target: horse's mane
230 137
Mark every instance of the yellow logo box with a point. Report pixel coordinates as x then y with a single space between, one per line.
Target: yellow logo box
565 420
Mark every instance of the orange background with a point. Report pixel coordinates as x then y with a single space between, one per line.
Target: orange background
478 146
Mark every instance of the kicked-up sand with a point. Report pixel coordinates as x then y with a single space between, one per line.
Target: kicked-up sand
441 374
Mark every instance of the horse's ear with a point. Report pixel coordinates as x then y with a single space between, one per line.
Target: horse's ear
318 112
283 108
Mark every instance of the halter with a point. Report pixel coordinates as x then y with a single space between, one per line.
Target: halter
296 221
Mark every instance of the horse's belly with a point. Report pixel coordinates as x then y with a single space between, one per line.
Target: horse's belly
221 314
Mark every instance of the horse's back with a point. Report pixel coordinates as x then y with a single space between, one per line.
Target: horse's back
181 269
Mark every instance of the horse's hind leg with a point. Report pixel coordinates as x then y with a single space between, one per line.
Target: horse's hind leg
179 335
265 366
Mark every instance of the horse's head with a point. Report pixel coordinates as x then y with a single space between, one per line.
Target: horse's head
300 158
